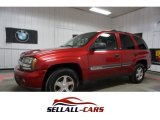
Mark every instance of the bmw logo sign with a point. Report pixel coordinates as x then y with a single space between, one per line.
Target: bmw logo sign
22 35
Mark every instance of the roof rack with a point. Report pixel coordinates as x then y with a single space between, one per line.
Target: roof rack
113 30
120 31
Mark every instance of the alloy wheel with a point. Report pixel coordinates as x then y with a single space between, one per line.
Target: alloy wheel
139 73
64 84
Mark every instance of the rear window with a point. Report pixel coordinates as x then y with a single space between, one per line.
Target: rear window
141 43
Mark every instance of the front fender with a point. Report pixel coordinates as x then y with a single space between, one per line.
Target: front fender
82 61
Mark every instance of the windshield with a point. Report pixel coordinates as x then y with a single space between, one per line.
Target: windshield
80 40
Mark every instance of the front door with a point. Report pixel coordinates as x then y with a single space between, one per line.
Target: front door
105 62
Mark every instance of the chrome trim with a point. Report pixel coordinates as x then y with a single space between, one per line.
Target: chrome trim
105 67
126 64
110 66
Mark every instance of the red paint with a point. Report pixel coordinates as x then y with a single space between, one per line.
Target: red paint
6 76
84 58
1 78
68 101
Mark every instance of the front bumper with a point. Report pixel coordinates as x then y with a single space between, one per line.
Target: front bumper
27 79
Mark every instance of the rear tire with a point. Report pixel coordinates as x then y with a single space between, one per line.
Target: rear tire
62 80
138 75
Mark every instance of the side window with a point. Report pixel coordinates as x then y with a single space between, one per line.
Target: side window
109 39
126 42
141 44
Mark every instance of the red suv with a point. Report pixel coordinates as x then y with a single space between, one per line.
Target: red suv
89 56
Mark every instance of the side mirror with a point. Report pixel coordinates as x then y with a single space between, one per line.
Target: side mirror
98 46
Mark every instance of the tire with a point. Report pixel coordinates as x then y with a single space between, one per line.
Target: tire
138 75
62 80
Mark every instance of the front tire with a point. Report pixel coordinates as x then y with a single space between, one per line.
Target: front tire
62 80
138 75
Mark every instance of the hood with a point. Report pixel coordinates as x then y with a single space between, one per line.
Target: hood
42 52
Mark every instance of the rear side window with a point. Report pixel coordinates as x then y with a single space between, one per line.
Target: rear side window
141 43
126 42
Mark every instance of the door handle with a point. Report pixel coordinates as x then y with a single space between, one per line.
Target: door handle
117 55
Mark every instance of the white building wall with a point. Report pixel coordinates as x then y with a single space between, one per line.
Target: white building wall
54 26
146 21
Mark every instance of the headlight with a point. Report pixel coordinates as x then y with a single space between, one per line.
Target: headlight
27 63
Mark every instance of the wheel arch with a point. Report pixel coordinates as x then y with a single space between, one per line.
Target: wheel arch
74 66
144 62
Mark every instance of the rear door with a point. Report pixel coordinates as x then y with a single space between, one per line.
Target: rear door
129 54
105 62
